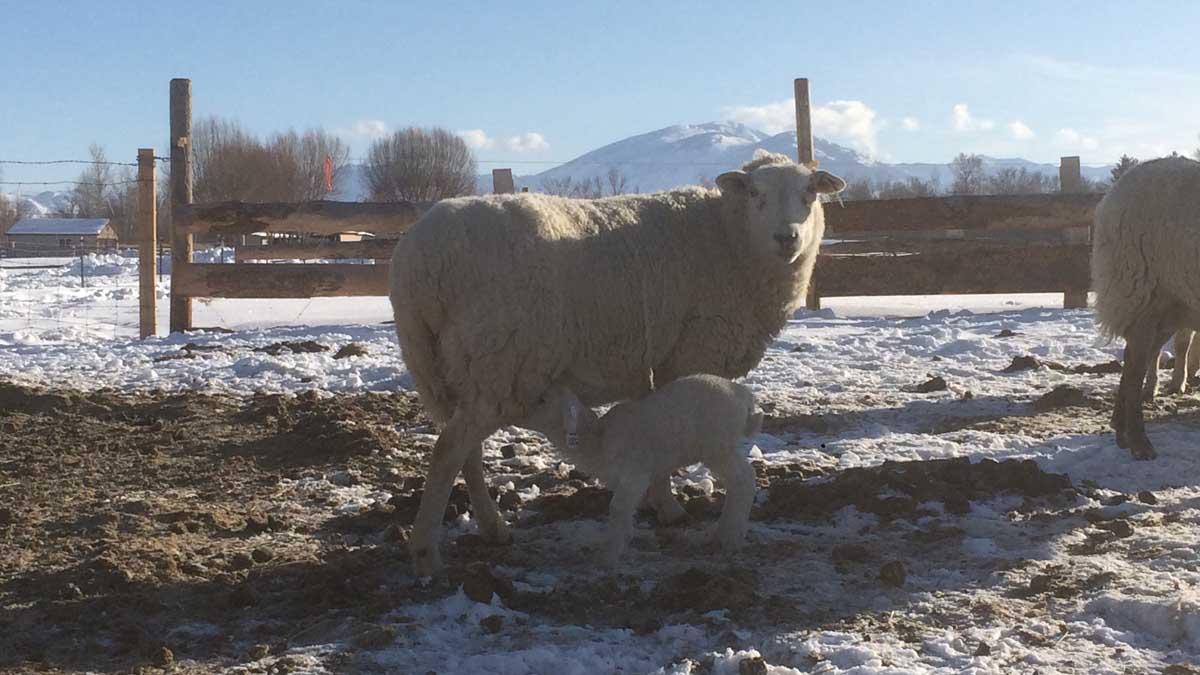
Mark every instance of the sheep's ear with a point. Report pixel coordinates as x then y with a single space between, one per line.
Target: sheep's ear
733 182
823 182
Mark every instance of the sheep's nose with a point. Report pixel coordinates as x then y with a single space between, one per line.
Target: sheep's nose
787 240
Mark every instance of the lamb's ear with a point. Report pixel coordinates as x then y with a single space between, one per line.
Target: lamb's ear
823 182
733 182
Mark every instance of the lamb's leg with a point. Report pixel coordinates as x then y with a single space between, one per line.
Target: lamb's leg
626 496
1185 356
663 501
461 435
491 524
1193 359
738 477
1146 338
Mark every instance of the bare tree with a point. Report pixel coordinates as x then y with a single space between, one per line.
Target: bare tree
968 174
103 191
559 187
8 210
417 164
1124 164
858 189
300 161
616 181
1019 181
910 187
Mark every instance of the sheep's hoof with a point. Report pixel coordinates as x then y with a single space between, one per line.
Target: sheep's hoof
427 561
1122 441
1149 395
1175 389
1142 449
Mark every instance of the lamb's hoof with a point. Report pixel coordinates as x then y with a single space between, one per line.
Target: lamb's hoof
498 534
427 561
1142 449
1149 395
1174 389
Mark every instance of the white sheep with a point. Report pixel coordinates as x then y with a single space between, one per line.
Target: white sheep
694 419
1144 272
498 297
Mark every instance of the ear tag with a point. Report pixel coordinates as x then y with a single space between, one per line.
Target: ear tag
572 419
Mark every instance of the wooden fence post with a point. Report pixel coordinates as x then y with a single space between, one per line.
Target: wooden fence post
181 195
502 181
804 154
1070 181
804 138
147 240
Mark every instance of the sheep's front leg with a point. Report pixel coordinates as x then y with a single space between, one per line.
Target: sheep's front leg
627 493
662 500
491 524
462 434
738 477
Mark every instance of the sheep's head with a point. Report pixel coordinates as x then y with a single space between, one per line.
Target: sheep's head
780 200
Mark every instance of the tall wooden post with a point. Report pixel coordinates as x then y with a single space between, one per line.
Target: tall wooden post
181 195
147 240
806 156
804 138
1070 181
502 181
1070 177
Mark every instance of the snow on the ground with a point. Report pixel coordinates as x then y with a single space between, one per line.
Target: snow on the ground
851 363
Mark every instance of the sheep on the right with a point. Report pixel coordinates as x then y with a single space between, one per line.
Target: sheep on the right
1145 251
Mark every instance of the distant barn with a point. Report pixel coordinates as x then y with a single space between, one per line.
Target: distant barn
58 236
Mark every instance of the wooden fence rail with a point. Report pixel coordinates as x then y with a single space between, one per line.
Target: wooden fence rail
920 246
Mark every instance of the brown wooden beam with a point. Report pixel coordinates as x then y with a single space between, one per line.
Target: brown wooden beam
964 212
377 249
319 217
214 280
972 269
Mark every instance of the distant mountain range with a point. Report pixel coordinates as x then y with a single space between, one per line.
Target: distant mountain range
682 155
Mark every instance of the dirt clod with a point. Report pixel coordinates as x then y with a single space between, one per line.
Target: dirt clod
984 649
508 450
703 591
893 574
349 350
752 666
1022 363
293 347
1147 497
1062 396
934 383
492 624
1006 333
479 583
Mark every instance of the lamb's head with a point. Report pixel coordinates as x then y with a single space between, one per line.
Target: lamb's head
565 420
780 201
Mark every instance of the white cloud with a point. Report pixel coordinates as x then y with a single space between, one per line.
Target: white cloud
369 129
477 139
852 122
965 121
530 141
1020 131
1072 138
910 124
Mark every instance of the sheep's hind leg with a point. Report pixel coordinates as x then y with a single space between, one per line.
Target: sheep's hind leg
666 508
626 496
738 477
1145 339
491 524
1185 358
461 435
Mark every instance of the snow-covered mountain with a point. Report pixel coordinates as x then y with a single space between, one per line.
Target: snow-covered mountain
42 204
684 154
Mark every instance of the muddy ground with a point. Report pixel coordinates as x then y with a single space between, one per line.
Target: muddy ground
201 533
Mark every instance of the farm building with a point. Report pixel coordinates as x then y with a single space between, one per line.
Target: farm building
56 236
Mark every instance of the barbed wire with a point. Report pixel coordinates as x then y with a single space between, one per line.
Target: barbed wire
71 182
65 161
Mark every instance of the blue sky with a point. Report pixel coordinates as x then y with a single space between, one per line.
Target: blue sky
542 81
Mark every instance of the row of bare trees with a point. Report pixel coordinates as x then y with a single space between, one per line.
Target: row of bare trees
614 182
